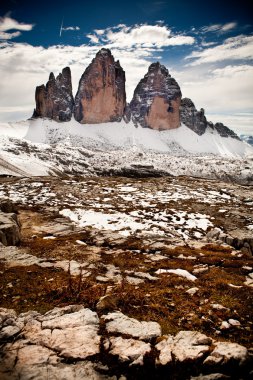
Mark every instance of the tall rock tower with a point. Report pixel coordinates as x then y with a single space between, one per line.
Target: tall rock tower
156 100
55 100
101 95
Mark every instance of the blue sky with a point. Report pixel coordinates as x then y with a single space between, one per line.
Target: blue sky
207 46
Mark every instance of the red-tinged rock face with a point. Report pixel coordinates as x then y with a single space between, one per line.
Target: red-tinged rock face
101 94
160 115
156 100
55 100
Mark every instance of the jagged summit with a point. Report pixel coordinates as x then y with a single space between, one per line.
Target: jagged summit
193 118
101 95
196 120
156 99
55 100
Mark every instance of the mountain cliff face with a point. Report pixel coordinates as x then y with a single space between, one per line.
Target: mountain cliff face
224 131
192 118
101 95
55 100
196 120
156 100
101 98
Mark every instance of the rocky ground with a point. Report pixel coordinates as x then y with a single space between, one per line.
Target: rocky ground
158 272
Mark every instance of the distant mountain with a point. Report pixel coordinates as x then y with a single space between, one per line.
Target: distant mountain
157 101
248 139
97 132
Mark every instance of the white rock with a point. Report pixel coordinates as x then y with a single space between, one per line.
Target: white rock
224 325
33 355
71 331
190 345
80 242
217 306
83 317
9 331
165 348
79 342
234 322
201 268
134 280
179 272
192 291
235 286
22 361
120 323
129 349
145 276
247 268
249 281
212 376
6 314
224 352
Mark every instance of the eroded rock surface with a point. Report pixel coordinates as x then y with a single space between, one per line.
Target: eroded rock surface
193 118
101 93
156 100
55 100
67 343
120 323
9 224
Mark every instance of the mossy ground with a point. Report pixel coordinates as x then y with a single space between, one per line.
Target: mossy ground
164 300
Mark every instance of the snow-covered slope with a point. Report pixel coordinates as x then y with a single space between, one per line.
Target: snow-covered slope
45 147
124 136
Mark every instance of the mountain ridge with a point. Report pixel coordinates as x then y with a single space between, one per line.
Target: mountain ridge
156 104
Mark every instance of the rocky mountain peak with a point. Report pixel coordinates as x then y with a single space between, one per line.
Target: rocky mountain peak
156 99
103 52
51 77
193 118
55 100
196 120
157 67
225 131
101 95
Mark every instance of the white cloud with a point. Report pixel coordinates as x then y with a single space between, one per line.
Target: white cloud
220 28
93 38
140 36
229 26
99 31
180 40
234 48
9 36
224 92
8 23
71 28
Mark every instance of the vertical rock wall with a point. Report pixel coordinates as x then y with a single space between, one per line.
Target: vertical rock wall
101 95
55 100
156 100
